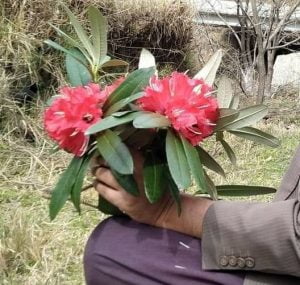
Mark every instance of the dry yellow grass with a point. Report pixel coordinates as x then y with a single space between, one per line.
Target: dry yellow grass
33 250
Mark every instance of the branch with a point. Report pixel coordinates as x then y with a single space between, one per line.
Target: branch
284 20
224 21
285 45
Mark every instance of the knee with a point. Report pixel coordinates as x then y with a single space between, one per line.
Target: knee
93 261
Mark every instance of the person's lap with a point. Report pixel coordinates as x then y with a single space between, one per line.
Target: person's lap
121 251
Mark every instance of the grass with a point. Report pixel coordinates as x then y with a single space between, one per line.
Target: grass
34 250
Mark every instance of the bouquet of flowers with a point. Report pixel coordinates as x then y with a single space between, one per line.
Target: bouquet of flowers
101 114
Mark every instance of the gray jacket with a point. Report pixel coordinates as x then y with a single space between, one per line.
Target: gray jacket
261 238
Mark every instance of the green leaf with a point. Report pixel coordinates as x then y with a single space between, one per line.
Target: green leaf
104 60
154 177
121 114
257 136
177 161
195 164
134 83
78 74
146 120
64 186
127 182
234 104
107 208
246 117
243 190
66 36
226 116
209 71
211 188
60 48
175 193
146 59
229 151
115 152
122 103
110 122
225 92
208 161
99 32
76 190
83 37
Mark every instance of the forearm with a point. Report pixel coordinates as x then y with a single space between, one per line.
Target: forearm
190 220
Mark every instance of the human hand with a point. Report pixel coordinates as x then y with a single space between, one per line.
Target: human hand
162 213
137 207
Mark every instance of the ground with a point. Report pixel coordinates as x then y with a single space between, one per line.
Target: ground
35 251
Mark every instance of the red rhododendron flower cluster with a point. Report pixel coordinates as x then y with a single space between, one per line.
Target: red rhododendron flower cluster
186 102
73 112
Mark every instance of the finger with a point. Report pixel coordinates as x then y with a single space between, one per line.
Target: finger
95 167
111 195
105 176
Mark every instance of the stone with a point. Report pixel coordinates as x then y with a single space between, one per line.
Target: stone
287 70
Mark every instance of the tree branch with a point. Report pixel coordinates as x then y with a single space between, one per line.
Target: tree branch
285 18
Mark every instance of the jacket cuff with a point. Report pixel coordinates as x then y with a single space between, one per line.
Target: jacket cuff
249 236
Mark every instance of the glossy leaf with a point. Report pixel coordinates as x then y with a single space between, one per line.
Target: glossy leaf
175 193
66 36
147 120
195 164
225 92
245 118
226 116
115 152
154 177
107 208
209 71
78 74
63 188
127 182
76 189
210 188
146 59
257 136
229 151
99 32
83 37
104 60
243 190
60 48
208 161
122 103
234 104
177 161
134 83
110 122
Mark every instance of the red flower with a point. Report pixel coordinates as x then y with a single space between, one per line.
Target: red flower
187 103
73 112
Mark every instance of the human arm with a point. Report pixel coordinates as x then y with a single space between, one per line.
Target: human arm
260 236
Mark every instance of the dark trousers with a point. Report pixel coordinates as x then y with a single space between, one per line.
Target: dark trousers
121 251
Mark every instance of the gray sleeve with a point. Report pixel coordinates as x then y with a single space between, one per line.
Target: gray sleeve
252 236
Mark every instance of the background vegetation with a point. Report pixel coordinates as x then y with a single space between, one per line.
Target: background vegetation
34 250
